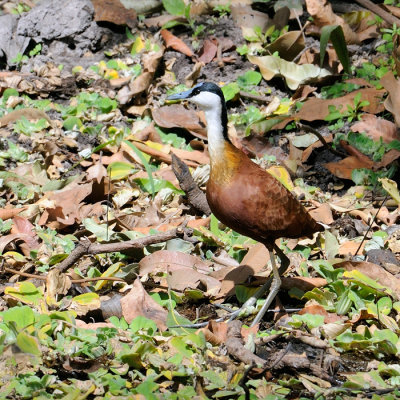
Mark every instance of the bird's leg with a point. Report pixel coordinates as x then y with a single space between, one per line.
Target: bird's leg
274 289
273 283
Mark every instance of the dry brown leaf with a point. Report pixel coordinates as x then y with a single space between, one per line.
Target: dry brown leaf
138 303
323 214
376 128
28 113
177 116
317 309
254 261
113 11
7 213
96 172
392 102
374 272
61 206
163 260
289 45
322 13
303 283
23 226
318 109
350 247
176 43
344 168
208 51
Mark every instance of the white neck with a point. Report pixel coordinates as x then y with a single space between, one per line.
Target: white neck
215 133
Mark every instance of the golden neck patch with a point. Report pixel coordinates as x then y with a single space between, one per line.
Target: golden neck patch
225 166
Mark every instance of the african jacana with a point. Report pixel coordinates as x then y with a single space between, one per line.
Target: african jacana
242 195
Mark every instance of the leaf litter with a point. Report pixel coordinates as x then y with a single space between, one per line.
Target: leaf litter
107 262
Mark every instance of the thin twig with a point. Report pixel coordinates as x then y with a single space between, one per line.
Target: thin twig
370 225
308 128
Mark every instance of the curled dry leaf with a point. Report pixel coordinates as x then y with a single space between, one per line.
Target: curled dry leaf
294 74
376 128
344 168
392 103
137 302
322 13
374 272
289 45
303 283
175 43
115 12
317 309
177 116
318 109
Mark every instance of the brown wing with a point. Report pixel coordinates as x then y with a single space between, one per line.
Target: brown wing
255 204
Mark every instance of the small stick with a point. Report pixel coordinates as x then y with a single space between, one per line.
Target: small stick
308 128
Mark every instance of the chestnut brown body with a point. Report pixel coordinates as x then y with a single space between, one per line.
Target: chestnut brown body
253 203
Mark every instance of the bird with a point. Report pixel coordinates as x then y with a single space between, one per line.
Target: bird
245 197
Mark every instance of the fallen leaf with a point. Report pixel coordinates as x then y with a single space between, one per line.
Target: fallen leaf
375 272
114 12
176 43
316 109
177 116
289 45
376 128
294 74
317 309
208 51
344 168
303 283
322 14
392 102
137 302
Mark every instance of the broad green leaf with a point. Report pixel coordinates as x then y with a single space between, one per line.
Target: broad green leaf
249 78
72 123
109 272
335 34
230 90
120 170
143 323
26 292
101 231
174 7
28 344
23 316
391 187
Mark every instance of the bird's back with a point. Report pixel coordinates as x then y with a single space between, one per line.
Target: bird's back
252 202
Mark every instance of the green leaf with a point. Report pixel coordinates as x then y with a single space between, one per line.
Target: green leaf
28 344
26 292
23 316
101 231
335 34
146 166
72 123
174 7
143 323
230 90
9 92
120 170
250 78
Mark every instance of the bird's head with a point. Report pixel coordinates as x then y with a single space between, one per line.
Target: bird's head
205 95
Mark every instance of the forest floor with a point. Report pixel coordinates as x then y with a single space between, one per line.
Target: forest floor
115 281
